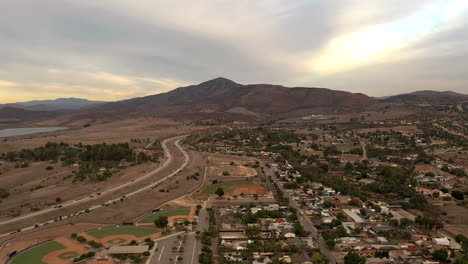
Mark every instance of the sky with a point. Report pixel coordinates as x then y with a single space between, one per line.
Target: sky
118 49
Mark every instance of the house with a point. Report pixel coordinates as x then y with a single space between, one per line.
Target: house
287 232
382 228
354 216
441 241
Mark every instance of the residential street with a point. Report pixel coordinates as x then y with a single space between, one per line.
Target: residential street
305 221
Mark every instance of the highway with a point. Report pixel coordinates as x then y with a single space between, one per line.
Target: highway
305 221
168 160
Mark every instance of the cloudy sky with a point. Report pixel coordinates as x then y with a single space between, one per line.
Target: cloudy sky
118 49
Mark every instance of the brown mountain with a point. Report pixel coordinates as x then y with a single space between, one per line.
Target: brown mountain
223 98
19 115
428 97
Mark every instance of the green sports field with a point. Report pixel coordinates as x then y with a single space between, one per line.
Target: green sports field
152 217
35 255
124 230
228 187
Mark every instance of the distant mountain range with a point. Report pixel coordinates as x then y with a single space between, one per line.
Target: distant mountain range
223 98
55 105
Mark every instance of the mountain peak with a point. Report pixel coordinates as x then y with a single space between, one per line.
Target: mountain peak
220 82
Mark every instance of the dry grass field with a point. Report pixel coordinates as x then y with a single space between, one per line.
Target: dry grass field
20 181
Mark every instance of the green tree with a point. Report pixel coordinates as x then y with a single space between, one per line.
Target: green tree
458 195
161 221
353 258
441 255
405 222
219 191
394 222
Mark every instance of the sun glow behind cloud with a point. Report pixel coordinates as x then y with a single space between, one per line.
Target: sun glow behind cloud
113 49
378 42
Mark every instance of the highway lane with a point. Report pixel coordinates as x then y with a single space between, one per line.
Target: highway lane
305 221
108 191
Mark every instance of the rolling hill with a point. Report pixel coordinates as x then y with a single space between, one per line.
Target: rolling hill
59 104
227 99
429 97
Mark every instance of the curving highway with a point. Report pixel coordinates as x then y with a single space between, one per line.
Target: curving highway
168 160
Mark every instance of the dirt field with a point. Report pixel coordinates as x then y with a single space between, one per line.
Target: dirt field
232 170
233 166
115 132
57 183
21 183
456 215
250 190
459 229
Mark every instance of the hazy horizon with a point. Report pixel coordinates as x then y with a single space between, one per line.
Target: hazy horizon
115 50
104 101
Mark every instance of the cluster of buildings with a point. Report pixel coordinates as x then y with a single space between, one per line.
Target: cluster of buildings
380 232
269 236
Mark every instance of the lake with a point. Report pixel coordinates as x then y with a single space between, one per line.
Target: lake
9 132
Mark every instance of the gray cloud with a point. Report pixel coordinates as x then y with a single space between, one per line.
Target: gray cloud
51 45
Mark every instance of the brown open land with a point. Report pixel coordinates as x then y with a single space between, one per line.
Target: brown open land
127 210
232 170
457 229
221 163
405 130
250 190
54 184
115 132
456 215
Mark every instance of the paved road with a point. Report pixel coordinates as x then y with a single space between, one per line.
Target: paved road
306 222
108 191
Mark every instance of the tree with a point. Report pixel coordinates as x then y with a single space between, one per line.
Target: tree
319 258
394 222
363 212
376 208
299 229
458 195
441 254
353 258
161 221
328 204
405 222
341 217
219 191
354 202
460 238
81 239
253 232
